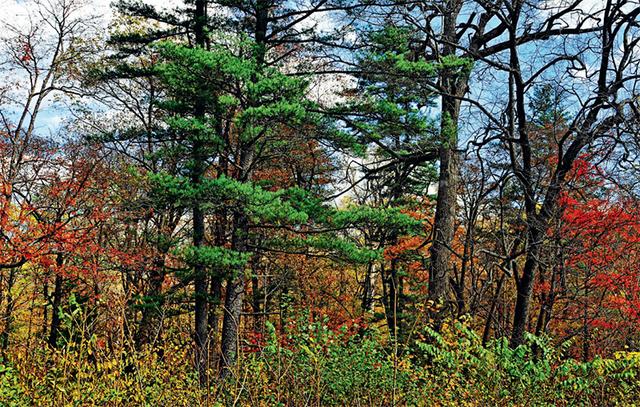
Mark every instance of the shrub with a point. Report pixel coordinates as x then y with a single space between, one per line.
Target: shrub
308 363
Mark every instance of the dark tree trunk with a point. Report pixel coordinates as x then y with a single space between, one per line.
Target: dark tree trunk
215 288
201 289
236 285
368 288
153 301
492 310
453 85
257 295
200 277
393 301
444 224
389 301
215 295
524 289
54 327
233 300
8 313
231 324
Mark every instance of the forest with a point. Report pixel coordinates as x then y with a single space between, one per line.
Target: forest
319 203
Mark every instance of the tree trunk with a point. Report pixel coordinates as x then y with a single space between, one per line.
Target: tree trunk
231 324
492 310
200 277
153 301
453 85
444 224
368 290
233 300
201 311
236 285
215 295
54 327
8 313
524 288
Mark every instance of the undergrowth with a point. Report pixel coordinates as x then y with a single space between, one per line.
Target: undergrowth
308 364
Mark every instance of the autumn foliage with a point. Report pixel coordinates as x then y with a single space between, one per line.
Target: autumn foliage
326 202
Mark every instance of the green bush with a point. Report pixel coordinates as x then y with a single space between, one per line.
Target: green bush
314 366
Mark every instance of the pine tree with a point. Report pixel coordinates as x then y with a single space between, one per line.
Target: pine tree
390 115
227 105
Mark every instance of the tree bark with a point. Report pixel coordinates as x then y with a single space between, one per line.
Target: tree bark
453 85
8 313
368 289
524 291
152 307
54 327
236 284
492 310
233 301
200 277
